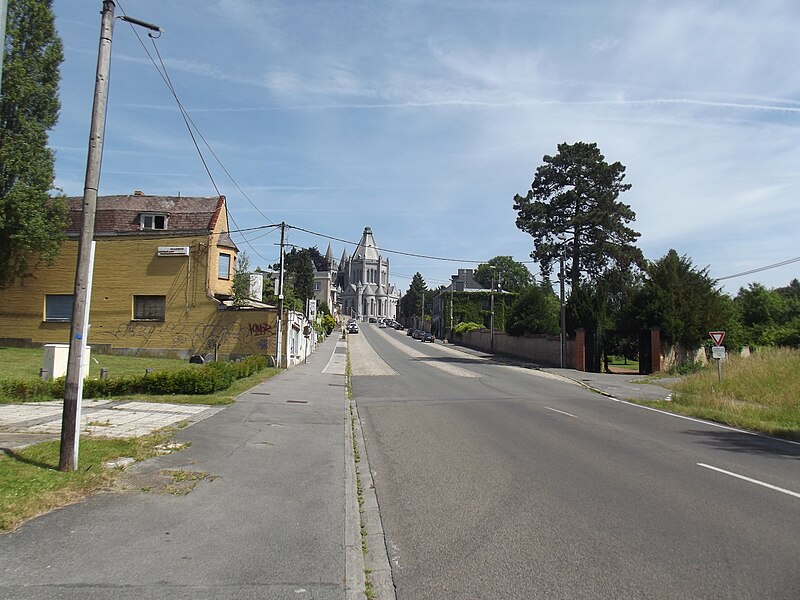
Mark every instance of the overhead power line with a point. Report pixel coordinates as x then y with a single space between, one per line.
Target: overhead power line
759 269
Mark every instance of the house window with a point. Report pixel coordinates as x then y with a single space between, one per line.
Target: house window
58 308
152 221
224 266
317 286
149 308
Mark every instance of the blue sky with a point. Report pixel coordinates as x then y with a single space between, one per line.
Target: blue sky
423 119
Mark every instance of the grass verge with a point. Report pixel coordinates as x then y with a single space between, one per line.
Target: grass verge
758 393
31 484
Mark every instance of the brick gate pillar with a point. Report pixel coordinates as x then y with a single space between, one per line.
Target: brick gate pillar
656 352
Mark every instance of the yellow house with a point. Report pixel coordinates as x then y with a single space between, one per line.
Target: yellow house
163 272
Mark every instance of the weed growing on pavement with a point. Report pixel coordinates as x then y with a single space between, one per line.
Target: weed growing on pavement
31 484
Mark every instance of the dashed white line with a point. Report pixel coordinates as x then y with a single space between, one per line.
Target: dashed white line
756 481
561 412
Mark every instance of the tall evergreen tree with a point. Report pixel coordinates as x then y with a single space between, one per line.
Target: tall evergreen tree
411 302
574 196
32 223
300 270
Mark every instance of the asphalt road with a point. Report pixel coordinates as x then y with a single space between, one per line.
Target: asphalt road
500 482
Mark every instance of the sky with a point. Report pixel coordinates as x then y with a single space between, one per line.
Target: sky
422 120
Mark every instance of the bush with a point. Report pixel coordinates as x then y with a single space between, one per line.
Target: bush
462 328
209 378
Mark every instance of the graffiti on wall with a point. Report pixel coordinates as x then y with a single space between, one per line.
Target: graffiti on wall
230 336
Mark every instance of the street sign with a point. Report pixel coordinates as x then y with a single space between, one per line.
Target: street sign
718 352
717 337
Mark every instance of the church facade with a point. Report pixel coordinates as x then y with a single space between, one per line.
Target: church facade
362 281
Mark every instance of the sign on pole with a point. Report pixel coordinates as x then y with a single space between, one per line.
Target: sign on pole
717 337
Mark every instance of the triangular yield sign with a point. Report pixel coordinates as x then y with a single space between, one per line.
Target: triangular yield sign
717 337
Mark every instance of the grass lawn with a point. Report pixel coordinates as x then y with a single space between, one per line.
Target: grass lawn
31 484
623 363
758 393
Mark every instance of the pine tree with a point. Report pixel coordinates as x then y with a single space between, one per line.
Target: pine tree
32 223
574 197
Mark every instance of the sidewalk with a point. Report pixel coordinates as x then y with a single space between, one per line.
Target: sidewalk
623 386
272 516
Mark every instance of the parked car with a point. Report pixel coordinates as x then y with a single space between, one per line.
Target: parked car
352 327
373 319
428 337
382 324
418 334
398 326
410 331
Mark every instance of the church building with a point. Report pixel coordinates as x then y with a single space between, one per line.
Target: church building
363 282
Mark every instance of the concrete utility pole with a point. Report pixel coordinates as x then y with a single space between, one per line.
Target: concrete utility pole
491 313
79 327
279 343
73 390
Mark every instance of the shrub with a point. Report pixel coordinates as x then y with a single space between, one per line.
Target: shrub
462 328
209 378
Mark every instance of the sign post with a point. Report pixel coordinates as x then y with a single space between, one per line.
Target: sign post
718 350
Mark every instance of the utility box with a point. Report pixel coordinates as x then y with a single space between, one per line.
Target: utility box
56 357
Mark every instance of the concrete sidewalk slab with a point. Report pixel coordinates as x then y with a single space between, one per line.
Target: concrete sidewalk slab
266 521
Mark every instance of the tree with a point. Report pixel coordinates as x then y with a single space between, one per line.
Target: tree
411 302
534 311
683 301
241 281
300 272
514 276
32 223
770 317
319 261
574 196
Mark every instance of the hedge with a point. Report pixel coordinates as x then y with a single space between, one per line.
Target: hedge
207 379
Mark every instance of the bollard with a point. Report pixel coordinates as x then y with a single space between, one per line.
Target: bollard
103 373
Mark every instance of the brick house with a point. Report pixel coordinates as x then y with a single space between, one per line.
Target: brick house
162 284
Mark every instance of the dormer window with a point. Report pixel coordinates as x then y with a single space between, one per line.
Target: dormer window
149 221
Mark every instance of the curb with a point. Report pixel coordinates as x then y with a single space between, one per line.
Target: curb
376 561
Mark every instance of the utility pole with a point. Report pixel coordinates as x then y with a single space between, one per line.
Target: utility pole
422 313
279 344
73 389
452 287
79 326
561 275
491 314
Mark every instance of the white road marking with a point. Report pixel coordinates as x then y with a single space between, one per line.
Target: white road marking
756 481
701 421
561 412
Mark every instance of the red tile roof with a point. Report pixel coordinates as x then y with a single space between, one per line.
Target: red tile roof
120 214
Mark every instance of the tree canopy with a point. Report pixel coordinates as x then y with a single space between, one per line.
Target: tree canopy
573 203
32 223
683 300
511 275
411 302
300 273
534 311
